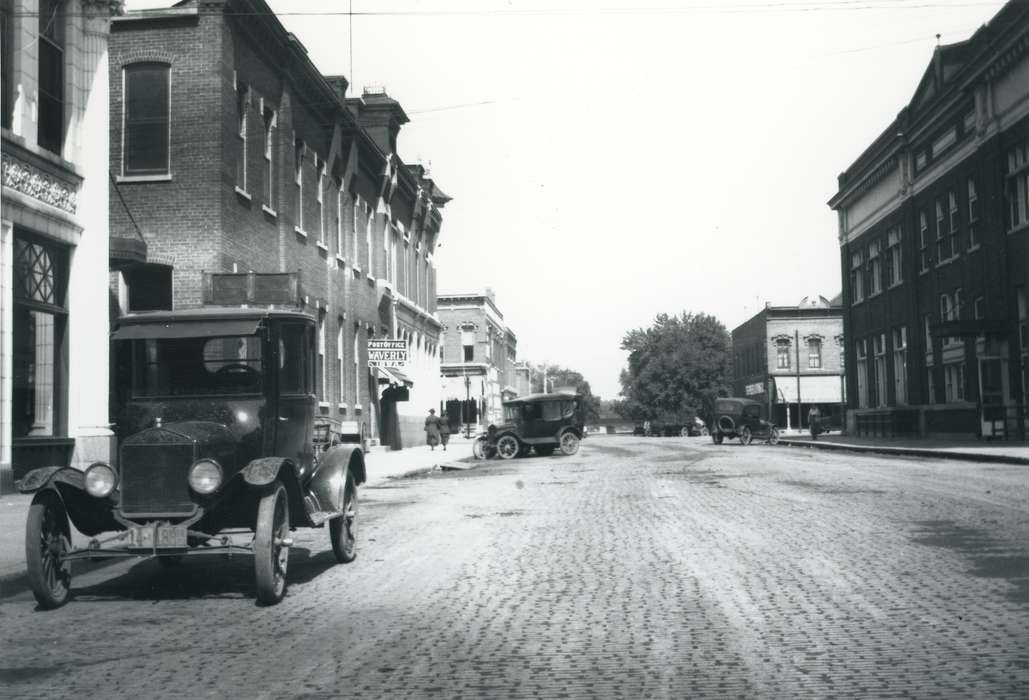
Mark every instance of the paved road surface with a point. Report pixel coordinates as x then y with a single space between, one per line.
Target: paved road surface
638 568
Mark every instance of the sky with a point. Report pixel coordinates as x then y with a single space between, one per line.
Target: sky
612 160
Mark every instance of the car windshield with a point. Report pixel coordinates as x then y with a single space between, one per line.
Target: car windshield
196 366
512 412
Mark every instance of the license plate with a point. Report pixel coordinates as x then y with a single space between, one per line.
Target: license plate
158 536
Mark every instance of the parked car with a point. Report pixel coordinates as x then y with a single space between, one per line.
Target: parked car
538 422
743 419
694 428
216 423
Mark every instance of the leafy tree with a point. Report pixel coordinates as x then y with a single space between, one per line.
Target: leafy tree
677 367
558 377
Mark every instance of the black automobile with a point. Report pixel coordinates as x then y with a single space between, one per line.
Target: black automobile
743 419
538 422
219 453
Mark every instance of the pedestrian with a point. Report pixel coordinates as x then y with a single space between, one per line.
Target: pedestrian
814 422
444 429
432 429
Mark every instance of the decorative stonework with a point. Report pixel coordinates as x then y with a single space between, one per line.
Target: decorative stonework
33 182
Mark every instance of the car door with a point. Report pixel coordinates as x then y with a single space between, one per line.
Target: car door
295 388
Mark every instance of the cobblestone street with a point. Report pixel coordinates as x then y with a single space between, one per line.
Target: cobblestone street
637 568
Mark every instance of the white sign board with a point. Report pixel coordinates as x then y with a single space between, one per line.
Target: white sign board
387 353
754 389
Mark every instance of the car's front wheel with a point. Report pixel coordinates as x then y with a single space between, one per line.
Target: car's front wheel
507 447
271 544
569 443
773 436
343 530
47 540
746 436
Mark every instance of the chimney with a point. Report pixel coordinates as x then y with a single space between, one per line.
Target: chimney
382 116
339 85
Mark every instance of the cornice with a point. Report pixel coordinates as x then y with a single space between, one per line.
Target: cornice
35 182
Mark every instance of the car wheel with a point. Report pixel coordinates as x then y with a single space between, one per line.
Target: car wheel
47 540
271 549
343 530
685 432
717 437
569 443
544 450
479 448
704 432
745 436
773 436
508 447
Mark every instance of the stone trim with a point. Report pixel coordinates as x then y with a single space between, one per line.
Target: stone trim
37 184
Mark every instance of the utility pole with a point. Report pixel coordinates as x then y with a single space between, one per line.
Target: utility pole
800 412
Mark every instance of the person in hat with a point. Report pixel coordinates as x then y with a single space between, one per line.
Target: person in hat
432 428
444 429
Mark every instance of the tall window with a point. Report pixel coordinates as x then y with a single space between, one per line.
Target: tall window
339 221
954 225
321 200
923 242
355 205
146 113
342 388
862 372
894 266
879 367
814 353
242 105
7 63
51 75
369 225
468 344
782 353
941 234
874 268
900 365
357 366
973 214
1018 186
269 158
929 361
857 277
954 381
323 379
299 180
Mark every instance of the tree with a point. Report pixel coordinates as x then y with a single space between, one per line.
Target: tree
560 377
677 367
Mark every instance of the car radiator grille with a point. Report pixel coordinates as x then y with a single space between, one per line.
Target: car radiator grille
154 479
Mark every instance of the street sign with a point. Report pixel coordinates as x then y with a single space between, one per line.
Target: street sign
387 353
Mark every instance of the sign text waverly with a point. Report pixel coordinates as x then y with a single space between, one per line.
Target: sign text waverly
387 353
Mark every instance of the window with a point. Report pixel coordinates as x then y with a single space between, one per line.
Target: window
923 242
862 373
782 353
879 368
929 361
945 141
941 234
321 199
900 365
269 158
921 160
814 353
954 381
874 268
242 104
357 365
342 388
6 63
954 225
299 180
973 215
1018 187
50 47
323 384
355 204
894 260
339 221
294 372
145 134
468 344
369 221
857 277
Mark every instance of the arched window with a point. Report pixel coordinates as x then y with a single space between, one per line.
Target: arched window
145 133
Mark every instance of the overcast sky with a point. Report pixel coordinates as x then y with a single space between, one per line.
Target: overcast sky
611 162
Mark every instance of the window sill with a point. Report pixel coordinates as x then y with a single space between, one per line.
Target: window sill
242 193
1019 228
873 295
340 261
143 178
342 406
299 231
269 211
323 247
895 285
948 261
924 271
356 269
973 248
370 279
324 404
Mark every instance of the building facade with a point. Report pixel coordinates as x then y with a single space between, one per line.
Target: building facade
934 240
479 362
53 235
231 152
791 359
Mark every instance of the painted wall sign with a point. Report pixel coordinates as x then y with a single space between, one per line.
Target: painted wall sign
387 353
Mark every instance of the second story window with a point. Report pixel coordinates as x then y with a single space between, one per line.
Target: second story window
320 194
339 219
923 242
857 277
782 354
954 224
51 75
814 353
894 268
242 105
1018 186
298 179
145 134
941 233
269 158
468 344
874 268
369 225
973 215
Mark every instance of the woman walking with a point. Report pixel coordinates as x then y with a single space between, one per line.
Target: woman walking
432 428
444 429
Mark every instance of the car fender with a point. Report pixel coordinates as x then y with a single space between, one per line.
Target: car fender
262 472
89 515
39 479
326 484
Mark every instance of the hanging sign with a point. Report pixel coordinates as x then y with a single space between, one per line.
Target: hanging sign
387 353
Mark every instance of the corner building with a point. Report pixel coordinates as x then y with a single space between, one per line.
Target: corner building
934 241
231 152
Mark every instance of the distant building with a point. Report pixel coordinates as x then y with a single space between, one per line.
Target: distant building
790 359
54 235
479 362
231 152
934 245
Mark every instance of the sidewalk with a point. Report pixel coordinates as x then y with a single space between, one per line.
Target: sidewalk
972 450
380 464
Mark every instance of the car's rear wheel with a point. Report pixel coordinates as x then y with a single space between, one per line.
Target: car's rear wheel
544 450
47 540
507 447
569 443
773 436
746 436
479 448
343 530
271 546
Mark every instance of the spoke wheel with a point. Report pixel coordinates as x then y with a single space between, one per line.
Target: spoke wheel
569 443
47 540
343 530
479 448
271 555
773 436
746 436
507 447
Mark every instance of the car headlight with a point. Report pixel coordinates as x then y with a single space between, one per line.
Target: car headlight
205 476
100 480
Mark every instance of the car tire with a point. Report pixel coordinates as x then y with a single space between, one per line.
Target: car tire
569 443
544 450
343 530
746 436
271 555
479 448
704 432
47 539
773 436
508 447
685 432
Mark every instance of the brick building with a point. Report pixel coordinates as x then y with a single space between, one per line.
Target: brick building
231 152
53 235
789 358
934 239
479 358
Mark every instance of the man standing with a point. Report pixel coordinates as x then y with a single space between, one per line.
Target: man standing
814 421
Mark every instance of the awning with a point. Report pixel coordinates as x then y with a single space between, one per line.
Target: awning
391 375
823 389
188 329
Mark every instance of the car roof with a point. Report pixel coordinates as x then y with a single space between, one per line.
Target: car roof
528 398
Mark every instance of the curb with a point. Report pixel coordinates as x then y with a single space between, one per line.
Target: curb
907 452
431 468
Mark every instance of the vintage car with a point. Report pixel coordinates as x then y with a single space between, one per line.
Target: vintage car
743 419
537 422
219 453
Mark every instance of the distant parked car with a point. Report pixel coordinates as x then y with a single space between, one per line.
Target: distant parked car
694 428
743 419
